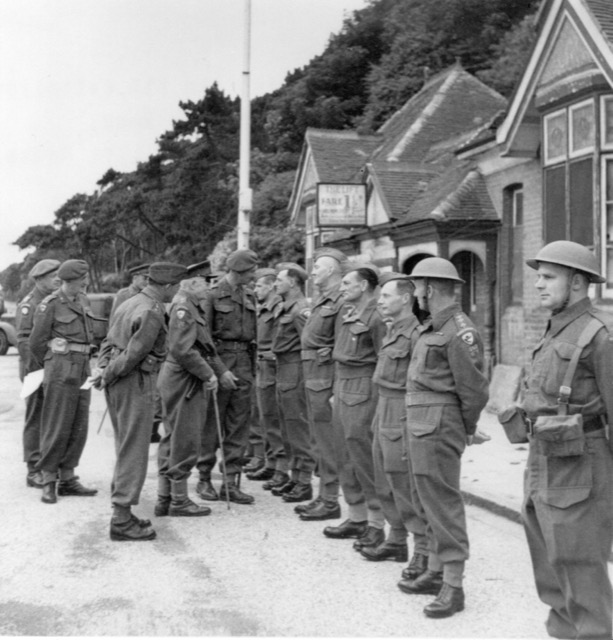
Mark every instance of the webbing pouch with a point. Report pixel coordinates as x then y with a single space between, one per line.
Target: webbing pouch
559 436
514 425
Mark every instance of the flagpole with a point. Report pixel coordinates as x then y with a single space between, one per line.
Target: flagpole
245 194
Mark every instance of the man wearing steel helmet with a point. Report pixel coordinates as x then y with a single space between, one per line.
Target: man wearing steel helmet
568 499
446 392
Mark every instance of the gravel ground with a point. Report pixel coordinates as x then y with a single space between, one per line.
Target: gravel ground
250 571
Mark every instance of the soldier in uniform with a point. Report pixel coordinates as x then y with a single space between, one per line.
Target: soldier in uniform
568 494
446 392
291 318
275 469
44 274
60 342
317 344
187 378
358 336
230 309
128 365
392 473
138 274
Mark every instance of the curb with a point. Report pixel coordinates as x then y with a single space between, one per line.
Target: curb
492 506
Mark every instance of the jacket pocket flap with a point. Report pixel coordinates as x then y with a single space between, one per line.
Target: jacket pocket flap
564 350
435 340
419 429
223 307
392 435
318 384
562 498
357 329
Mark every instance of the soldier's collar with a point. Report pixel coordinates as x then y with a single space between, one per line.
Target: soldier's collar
443 316
563 319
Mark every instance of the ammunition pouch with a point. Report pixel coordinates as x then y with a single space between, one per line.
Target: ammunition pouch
514 424
559 436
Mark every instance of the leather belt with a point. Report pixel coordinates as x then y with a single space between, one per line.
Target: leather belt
290 356
308 354
590 424
430 397
593 423
232 345
79 348
266 355
75 347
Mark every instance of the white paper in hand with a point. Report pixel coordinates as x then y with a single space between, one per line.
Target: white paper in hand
88 384
31 382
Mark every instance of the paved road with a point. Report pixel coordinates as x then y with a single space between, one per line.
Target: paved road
254 570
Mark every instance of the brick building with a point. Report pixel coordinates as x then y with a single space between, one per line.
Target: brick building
460 173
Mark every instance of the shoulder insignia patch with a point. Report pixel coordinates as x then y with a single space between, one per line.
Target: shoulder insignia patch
181 314
469 338
306 312
42 307
25 309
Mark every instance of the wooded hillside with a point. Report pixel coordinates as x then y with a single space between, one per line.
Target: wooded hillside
181 202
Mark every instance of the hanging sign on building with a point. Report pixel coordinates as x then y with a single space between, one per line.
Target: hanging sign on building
341 205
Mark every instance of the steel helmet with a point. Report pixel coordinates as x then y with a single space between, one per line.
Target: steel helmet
569 254
435 268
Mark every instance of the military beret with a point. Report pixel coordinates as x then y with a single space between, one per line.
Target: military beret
139 268
167 272
73 269
44 267
388 276
267 271
330 252
354 265
282 266
242 260
199 269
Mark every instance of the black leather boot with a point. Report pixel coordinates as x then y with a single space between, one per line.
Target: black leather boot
206 490
450 600
372 537
417 566
73 487
429 582
347 529
49 496
234 494
300 493
181 505
386 551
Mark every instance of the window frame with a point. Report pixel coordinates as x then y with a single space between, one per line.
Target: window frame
570 129
548 161
603 129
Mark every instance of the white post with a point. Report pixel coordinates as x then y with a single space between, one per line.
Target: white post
244 196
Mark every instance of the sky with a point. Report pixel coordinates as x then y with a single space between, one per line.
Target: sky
86 85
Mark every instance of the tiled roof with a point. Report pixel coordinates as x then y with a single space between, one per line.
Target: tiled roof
339 155
459 193
452 103
400 184
602 10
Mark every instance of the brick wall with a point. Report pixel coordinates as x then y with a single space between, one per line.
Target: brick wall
519 326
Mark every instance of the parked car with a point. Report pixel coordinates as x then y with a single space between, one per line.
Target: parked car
8 334
101 305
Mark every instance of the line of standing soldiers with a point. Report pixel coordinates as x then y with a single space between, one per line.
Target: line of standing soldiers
360 401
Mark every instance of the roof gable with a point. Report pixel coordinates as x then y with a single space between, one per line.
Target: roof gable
451 104
338 156
574 42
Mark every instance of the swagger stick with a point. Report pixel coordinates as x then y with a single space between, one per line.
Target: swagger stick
220 437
